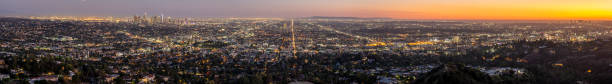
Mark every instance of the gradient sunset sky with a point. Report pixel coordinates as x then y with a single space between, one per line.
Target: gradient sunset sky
399 9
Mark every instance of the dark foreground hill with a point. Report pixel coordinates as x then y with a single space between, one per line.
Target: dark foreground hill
454 74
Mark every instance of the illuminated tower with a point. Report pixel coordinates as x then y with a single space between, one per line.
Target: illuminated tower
144 18
162 18
136 19
145 15
186 21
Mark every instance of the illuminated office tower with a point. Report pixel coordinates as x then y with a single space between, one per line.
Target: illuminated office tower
144 18
136 19
151 19
186 21
162 18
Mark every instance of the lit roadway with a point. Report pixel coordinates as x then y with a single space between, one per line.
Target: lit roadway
344 33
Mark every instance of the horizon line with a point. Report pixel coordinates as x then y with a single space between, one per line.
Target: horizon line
357 17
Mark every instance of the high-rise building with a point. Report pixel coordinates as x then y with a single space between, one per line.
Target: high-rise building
136 19
162 18
155 19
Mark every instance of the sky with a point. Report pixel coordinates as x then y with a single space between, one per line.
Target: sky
398 9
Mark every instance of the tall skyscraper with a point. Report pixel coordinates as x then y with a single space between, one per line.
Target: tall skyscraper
162 18
144 18
154 19
145 15
136 19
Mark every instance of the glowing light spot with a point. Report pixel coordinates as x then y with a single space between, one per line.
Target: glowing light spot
558 64
377 44
421 43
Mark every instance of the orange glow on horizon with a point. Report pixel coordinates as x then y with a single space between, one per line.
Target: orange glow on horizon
514 14
500 10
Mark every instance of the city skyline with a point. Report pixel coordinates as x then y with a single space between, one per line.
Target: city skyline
305 42
397 9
